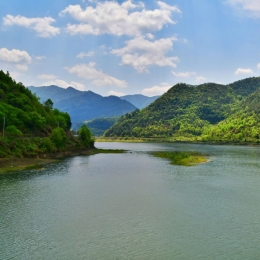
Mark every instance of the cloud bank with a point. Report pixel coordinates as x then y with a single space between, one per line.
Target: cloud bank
141 53
20 59
42 26
110 17
88 71
251 7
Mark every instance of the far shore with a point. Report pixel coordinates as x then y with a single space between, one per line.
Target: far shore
170 140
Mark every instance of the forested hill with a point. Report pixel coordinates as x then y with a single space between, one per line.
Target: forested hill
29 128
243 125
187 111
24 113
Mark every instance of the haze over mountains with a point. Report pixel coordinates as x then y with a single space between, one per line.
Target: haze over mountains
83 105
140 101
87 105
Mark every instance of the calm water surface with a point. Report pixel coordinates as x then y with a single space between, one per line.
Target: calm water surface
134 206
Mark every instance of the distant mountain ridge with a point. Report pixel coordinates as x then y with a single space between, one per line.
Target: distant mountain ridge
83 105
140 101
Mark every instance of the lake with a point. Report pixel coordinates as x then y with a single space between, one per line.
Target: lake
135 206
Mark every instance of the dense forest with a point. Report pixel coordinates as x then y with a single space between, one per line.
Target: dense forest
29 128
98 126
207 112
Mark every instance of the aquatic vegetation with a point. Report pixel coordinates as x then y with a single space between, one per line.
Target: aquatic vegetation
182 158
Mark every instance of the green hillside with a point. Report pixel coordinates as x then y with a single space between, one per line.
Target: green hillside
98 126
29 127
243 125
186 111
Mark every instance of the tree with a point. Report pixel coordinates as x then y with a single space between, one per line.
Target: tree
85 136
12 131
58 137
48 103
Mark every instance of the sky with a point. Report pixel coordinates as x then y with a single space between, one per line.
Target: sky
129 47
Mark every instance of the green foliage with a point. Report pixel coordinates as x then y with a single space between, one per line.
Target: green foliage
243 125
98 126
23 110
47 145
58 137
182 158
12 131
85 136
48 103
31 128
201 112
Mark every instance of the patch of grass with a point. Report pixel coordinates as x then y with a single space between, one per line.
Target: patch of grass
17 164
182 158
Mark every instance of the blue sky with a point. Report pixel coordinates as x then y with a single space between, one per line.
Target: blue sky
129 47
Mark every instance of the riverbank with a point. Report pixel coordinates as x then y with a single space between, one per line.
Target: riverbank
12 164
8 165
171 140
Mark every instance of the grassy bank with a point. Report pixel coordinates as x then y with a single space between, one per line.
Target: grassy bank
182 158
13 164
18 164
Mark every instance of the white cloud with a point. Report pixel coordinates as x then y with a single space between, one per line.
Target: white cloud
150 36
47 76
40 57
251 7
156 90
15 75
183 74
42 26
141 53
64 84
84 54
88 71
200 79
115 93
110 17
241 71
18 59
258 65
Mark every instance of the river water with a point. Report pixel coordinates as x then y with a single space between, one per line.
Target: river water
134 206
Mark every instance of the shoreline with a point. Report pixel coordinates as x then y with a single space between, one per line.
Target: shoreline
9 165
12 164
162 140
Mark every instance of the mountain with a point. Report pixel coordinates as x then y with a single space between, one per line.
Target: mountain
140 101
83 105
186 111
